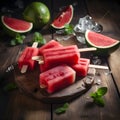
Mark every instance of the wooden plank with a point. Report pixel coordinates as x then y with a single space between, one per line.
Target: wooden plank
20 107
15 105
81 107
109 18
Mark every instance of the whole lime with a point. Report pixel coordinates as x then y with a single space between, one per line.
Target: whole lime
37 13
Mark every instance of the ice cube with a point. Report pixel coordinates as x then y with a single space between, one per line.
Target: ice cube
83 24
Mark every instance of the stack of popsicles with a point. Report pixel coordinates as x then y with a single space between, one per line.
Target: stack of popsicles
59 67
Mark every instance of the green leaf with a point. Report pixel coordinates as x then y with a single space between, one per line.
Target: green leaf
97 96
37 37
102 91
10 86
93 95
69 29
99 101
18 39
62 109
13 42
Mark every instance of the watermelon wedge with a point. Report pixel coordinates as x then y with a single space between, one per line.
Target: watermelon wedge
104 44
13 25
63 18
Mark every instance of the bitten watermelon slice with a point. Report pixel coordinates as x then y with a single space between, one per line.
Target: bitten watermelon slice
104 44
13 25
63 18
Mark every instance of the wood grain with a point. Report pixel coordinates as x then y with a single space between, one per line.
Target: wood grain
18 106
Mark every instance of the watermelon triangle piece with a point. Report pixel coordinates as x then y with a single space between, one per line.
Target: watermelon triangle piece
63 18
100 41
16 25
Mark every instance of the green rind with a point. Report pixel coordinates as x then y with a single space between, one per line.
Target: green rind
13 32
37 13
65 23
102 51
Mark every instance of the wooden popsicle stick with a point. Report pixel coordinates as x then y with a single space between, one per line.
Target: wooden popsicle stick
25 67
90 65
43 86
87 49
35 44
98 66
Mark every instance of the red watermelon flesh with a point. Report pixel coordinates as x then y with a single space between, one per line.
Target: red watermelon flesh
16 24
48 45
63 55
64 18
100 41
81 67
26 58
57 78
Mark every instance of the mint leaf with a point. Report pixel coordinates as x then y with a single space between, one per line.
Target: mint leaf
97 96
93 95
68 29
101 91
62 109
99 101
37 37
13 42
10 86
18 39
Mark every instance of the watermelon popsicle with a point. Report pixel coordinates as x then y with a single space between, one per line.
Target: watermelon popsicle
57 78
63 55
81 67
50 44
25 60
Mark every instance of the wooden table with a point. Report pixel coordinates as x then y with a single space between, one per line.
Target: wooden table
15 105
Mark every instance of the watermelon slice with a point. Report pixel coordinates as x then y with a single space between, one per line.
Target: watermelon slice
13 25
63 18
104 44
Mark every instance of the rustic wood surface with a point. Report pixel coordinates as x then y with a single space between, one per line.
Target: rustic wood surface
15 105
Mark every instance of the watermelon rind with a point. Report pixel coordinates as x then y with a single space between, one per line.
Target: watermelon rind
101 50
70 19
12 31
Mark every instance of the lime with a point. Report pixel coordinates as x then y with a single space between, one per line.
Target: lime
37 13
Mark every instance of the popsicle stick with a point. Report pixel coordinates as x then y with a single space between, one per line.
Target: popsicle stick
87 49
90 65
25 67
43 86
35 44
98 66
37 58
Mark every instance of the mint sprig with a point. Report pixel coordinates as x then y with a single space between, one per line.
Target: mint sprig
62 109
17 40
10 87
68 29
37 37
98 96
